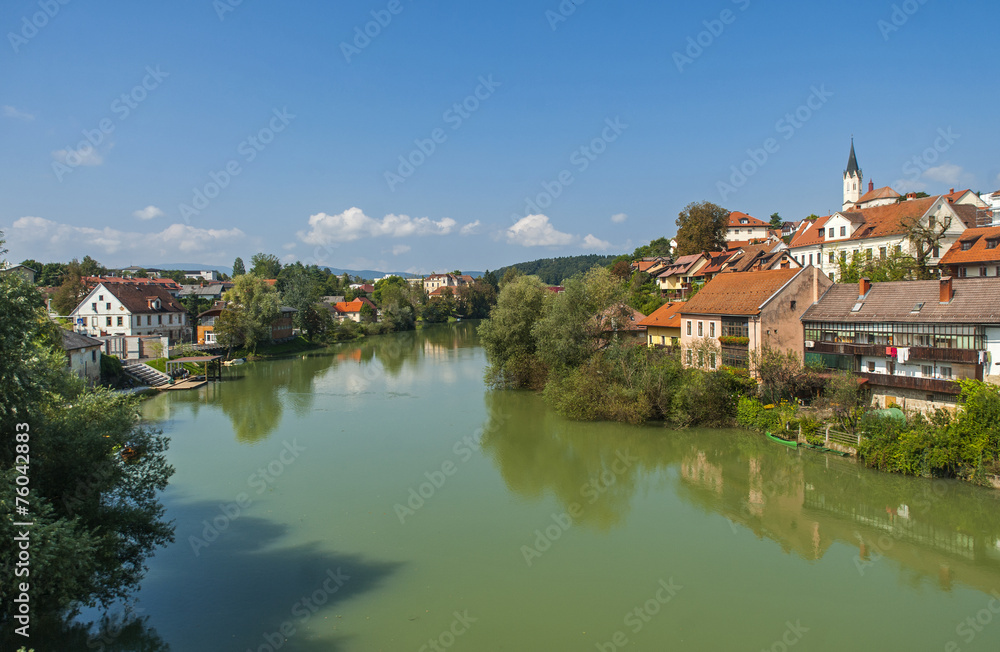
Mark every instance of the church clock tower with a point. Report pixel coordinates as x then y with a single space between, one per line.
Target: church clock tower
852 180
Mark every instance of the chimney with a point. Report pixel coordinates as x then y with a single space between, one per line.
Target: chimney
951 192
864 285
947 291
815 284
911 195
871 185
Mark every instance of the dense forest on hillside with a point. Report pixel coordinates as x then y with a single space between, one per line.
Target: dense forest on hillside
555 270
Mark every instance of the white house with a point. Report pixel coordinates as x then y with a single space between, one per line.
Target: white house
204 275
743 227
83 355
126 309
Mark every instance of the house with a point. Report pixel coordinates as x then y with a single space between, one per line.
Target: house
975 253
83 355
965 197
675 280
352 309
26 272
281 328
878 232
203 275
744 227
621 321
367 288
788 228
650 264
772 254
910 340
718 261
126 309
213 291
435 281
739 313
663 325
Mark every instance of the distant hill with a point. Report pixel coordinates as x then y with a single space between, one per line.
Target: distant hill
369 274
555 270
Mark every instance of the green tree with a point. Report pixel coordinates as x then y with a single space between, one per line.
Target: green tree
776 221
896 266
238 268
701 227
475 300
72 291
95 473
90 267
491 279
252 306
507 334
265 265
657 247
389 282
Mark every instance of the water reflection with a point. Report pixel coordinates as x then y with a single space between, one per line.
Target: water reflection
940 531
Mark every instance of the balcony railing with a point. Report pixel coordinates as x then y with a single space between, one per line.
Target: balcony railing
929 353
912 382
843 348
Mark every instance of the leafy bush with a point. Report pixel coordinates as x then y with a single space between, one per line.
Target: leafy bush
753 415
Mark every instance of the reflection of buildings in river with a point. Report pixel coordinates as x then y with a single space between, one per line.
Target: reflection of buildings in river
703 472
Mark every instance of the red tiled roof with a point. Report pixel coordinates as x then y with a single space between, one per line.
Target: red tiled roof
893 219
955 195
885 192
621 317
666 316
736 216
162 282
738 293
719 260
975 301
136 298
977 240
349 307
681 266
808 233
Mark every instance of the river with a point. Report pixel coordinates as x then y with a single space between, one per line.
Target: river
377 496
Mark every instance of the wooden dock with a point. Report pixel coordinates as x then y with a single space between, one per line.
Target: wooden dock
184 384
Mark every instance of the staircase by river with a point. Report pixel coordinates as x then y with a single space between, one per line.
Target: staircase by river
147 375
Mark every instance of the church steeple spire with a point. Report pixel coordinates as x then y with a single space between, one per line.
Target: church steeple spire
852 180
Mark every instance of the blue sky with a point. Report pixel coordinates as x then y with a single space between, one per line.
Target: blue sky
197 131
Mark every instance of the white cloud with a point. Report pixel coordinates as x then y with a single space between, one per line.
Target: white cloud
618 218
470 229
591 242
148 213
39 237
536 231
353 224
400 249
945 173
11 112
87 156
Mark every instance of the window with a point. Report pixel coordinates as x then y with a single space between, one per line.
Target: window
998 270
868 254
926 370
966 246
688 353
871 367
159 319
898 249
791 304
829 232
711 360
93 356
170 319
810 259
93 322
149 320
700 329
93 307
701 358
120 321
843 255
992 243
963 272
945 372
711 329
843 231
830 257
100 297
982 270
107 306
689 329
881 252
108 320
937 252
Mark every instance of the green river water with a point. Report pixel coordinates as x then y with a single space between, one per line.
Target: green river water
376 496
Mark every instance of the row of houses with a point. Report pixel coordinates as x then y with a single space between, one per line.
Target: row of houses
908 340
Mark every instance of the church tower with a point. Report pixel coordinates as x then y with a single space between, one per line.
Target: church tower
852 180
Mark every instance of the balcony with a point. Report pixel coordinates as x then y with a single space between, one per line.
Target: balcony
934 354
843 348
929 385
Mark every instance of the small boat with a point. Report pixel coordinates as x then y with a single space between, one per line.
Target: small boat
783 442
231 363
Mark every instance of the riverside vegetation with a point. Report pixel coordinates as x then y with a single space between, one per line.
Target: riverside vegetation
552 343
